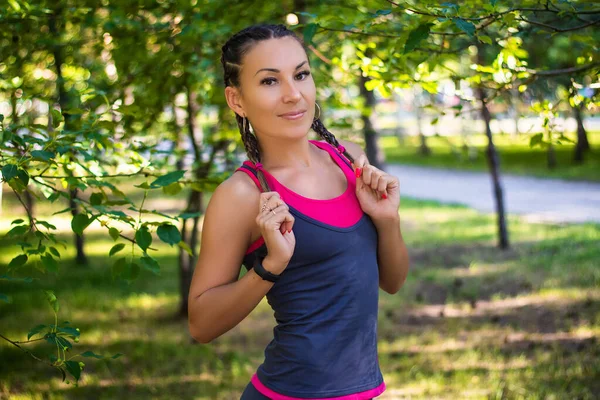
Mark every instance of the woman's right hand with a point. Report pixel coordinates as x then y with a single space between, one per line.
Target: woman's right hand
276 222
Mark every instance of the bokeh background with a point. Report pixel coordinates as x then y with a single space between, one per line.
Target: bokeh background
114 132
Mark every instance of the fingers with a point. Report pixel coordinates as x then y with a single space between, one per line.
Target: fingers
269 201
359 165
375 179
274 213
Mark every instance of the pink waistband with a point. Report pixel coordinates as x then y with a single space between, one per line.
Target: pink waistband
367 394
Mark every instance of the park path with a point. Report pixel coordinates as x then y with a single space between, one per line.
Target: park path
544 200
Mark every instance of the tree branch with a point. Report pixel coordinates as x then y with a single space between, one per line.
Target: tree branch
564 71
24 350
555 29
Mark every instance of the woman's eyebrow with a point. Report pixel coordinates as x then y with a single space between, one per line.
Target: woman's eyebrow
276 70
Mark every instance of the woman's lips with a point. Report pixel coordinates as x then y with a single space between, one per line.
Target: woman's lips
293 116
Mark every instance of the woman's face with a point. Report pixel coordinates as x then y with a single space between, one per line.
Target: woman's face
277 90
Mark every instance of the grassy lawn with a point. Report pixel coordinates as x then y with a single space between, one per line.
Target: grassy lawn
471 321
516 157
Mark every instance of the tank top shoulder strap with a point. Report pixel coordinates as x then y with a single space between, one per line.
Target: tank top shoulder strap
251 171
337 154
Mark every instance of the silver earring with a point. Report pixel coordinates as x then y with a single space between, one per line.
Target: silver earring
244 119
318 109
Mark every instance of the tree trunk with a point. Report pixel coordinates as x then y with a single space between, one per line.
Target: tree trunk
189 235
494 165
63 100
551 156
514 108
424 149
583 144
80 257
374 154
29 201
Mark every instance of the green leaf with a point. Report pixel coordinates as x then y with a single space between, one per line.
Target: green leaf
42 155
465 26
18 230
167 179
61 341
114 233
18 261
54 251
15 5
307 14
132 271
97 199
116 248
79 223
57 118
144 185
118 267
371 84
9 171
493 2
172 189
509 18
13 279
185 247
23 176
17 221
416 36
189 215
46 224
309 32
382 12
143 238
5 298
91 354
51 297
169 233
68 331
485 39
536 140
49 262
150 264
35 330
74 369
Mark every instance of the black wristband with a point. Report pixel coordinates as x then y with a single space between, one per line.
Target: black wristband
263 273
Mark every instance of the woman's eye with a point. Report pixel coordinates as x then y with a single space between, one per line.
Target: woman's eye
268 81
271 81
302 75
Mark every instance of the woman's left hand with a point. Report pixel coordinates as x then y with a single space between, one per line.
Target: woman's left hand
378 192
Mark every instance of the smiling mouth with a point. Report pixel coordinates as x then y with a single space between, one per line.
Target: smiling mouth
294 115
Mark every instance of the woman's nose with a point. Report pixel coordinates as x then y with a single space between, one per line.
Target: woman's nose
291 92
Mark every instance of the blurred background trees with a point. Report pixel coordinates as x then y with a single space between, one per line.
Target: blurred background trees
100 96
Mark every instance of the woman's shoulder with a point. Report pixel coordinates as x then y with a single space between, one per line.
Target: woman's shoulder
238 193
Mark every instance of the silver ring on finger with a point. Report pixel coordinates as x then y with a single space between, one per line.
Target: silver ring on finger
273 211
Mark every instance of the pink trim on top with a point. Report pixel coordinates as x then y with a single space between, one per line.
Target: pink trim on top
367 394
342 211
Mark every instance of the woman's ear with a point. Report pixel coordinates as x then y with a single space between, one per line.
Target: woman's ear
234 100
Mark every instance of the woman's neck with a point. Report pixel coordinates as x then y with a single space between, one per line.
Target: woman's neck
280 153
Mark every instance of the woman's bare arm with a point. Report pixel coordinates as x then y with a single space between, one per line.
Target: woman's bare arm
218 301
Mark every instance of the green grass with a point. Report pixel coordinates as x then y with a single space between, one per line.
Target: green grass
516 157
472 321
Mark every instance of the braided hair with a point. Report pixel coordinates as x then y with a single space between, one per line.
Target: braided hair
232 53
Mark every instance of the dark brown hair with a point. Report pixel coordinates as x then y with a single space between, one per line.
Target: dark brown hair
232 54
